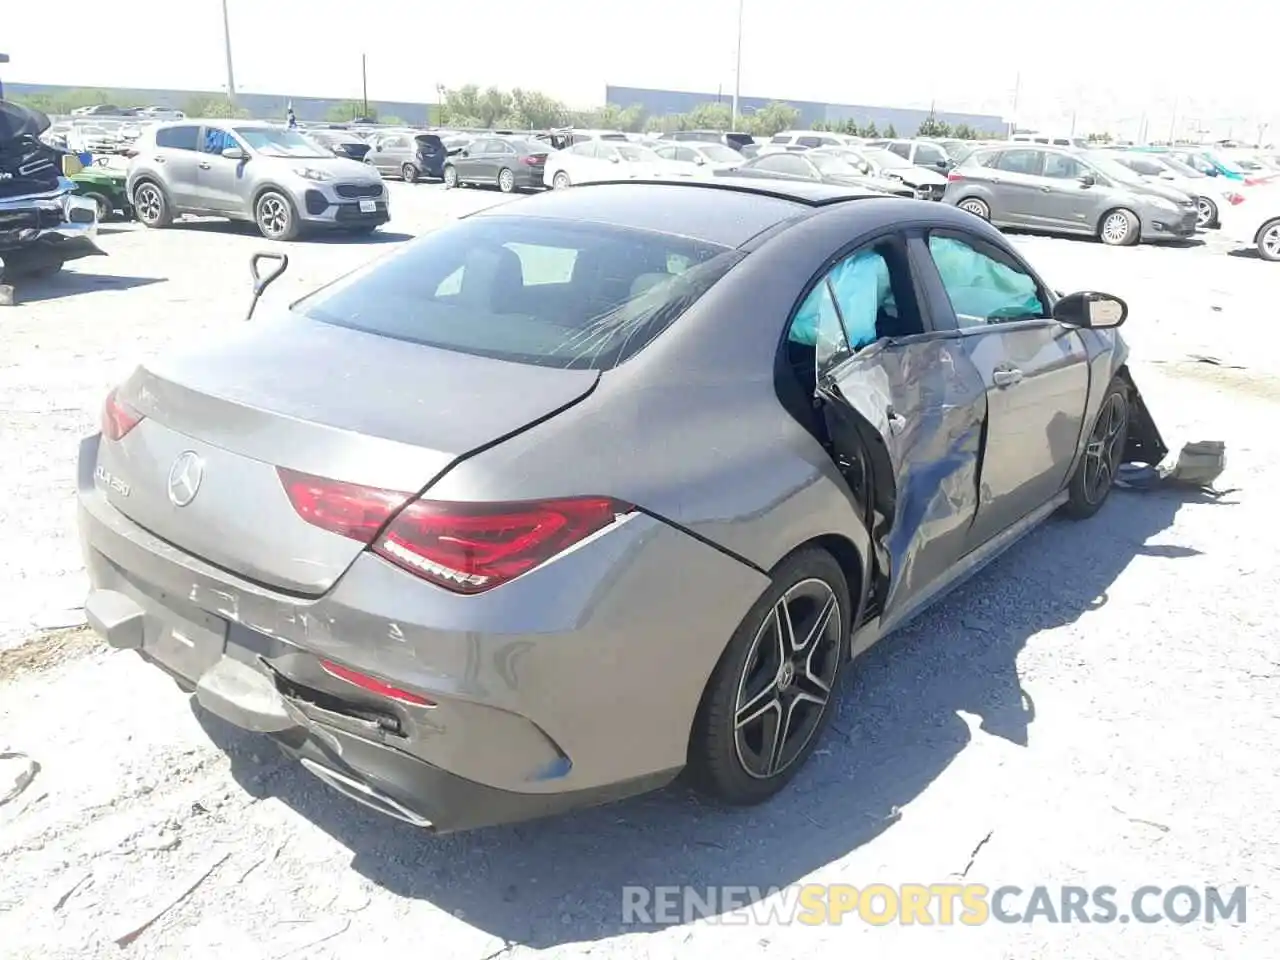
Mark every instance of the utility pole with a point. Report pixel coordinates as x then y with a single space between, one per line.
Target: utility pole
364 85
226 41
1173 124
737 70
1017 88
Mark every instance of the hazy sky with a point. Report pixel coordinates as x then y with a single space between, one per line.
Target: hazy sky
1112 61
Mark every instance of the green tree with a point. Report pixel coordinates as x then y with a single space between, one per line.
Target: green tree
214 108
771 119
889 132
869 131
1099 138
391 121
531 110
933 127
350 110
710 116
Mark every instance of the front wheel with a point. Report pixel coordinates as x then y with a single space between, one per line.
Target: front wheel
1119 228
1103 453
275 216
1269 241
768 697
560 181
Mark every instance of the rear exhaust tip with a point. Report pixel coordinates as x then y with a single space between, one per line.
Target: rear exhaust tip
364 794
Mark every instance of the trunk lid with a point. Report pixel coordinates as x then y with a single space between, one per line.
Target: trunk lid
313 398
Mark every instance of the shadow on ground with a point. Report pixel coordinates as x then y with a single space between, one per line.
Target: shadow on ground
560 880
245 229
70 283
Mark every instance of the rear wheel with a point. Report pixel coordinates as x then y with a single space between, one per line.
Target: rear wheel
1269 241
105 208
1091 483
409 173
1119 228
506 180
450 176
976 207
769 696
151 206
560 181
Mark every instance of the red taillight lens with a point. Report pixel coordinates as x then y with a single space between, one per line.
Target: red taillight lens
373 684
470 548
347 509
1235 199
464 547
118 418
534 161
954 177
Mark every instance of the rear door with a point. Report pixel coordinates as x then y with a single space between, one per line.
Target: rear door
177 159
1034 370
897 391
476 161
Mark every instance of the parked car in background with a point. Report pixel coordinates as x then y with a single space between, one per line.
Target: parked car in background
1212 163
106 184
568 137
510 163
1255 221
792 140
885 164
830 165
409 155
600 159
1051 140
923 153
245 170
734 141
1063 190
1210 193
340 143
698 157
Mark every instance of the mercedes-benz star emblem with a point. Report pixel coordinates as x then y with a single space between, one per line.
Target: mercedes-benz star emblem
184 478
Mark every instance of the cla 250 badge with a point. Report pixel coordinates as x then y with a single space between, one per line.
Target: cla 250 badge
114 484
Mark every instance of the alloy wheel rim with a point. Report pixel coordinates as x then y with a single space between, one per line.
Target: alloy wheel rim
561 180
973 207
1105 448
1271 241
451 177
1116 227
1204 212
506 181
786 681
273 216
148 203
408 172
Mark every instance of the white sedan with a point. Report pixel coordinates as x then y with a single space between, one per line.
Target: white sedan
698 159
592 161
1255 220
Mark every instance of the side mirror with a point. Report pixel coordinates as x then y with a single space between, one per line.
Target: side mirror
234 153
1088 180
1212 171
942 164
1097 311
464 152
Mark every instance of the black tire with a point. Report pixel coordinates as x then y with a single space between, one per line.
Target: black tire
975 206
506 180
560 181
151 205
748 691
1104 452
106 209
1119 228
409 173
451 176
274 214
1269 240
1206 213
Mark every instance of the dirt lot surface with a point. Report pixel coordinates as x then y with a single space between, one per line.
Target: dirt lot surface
1097 708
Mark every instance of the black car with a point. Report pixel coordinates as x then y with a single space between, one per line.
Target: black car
513 163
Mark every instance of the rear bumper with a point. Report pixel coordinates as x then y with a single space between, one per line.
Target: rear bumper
535 689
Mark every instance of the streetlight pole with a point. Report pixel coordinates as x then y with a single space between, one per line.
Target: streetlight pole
226 42
737 70
364 86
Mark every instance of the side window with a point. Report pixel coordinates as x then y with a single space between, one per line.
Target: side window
1019 161
503 147
215 141
817 325
665 152
781 138
926 153
178 138
810 141
983 288
901 149
784 163
685 155
864 295
541 265
1062 167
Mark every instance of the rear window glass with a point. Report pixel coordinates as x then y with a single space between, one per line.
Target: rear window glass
547 292
178 138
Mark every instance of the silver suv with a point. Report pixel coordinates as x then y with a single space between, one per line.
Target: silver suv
275 177
1063 190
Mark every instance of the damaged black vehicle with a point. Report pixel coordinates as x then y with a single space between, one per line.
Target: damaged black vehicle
43 223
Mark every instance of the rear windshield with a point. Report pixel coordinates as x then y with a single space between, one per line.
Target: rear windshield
554 293
430 140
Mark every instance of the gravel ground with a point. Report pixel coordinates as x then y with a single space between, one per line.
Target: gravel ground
1099 704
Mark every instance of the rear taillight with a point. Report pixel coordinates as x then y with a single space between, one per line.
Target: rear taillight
1235 199
464 547
374 685
954 177
536 160
118 418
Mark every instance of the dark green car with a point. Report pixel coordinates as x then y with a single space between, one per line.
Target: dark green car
105 186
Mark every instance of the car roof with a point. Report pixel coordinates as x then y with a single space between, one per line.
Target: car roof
728 214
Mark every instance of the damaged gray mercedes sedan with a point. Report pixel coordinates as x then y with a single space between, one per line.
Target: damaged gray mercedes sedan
592 488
